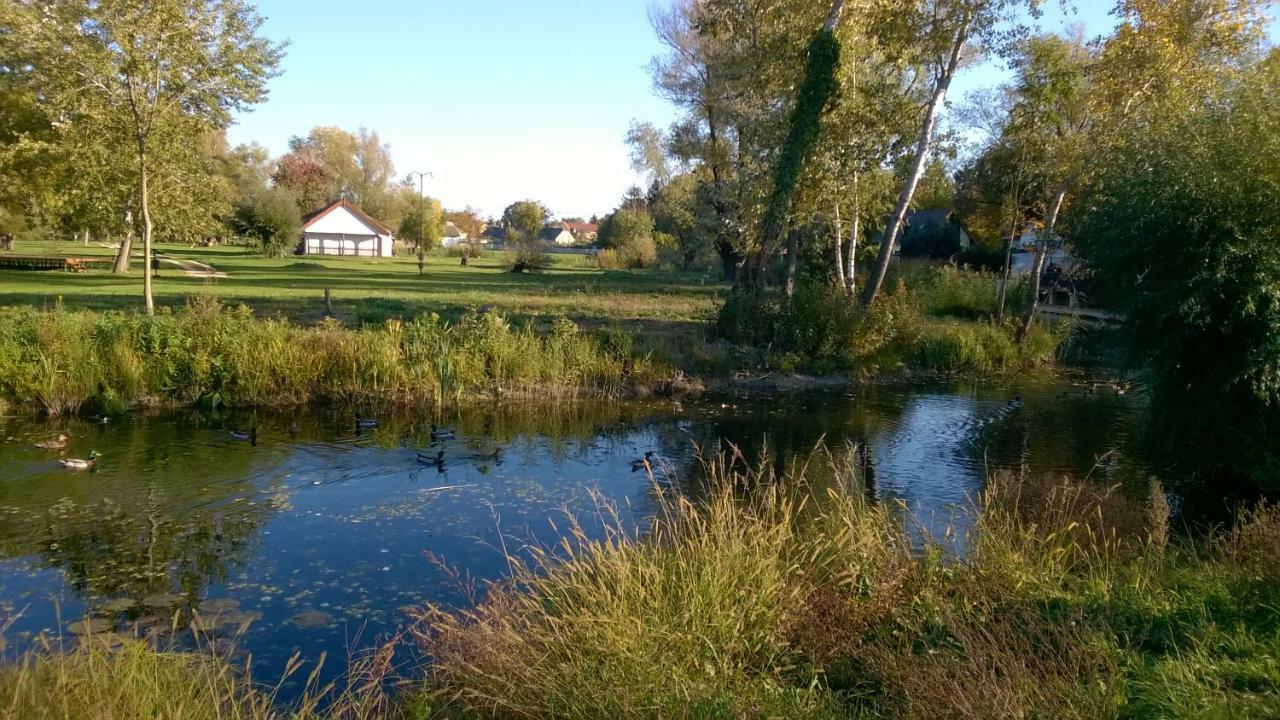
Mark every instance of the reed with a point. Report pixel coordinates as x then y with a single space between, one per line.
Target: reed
62 362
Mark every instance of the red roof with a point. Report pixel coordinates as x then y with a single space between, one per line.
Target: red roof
313 216
576 227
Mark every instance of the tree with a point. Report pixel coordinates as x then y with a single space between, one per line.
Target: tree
648 152
467 220
164 72
269 217
943 30
1180 222
303 174
424 226
524 220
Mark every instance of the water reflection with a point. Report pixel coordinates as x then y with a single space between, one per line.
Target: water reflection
320 533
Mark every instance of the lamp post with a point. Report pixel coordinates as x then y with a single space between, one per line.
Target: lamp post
422 212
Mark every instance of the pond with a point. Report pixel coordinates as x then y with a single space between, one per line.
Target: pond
319 537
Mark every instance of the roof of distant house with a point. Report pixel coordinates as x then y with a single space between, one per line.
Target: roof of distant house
364 217
451 230
551 233
581 227
929 218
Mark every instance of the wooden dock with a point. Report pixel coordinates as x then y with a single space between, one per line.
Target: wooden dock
1079 313
12 261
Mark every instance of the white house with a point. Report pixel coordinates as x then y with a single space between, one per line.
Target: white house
557 235
452 235
341 228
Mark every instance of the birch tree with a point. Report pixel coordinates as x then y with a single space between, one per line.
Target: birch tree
942 33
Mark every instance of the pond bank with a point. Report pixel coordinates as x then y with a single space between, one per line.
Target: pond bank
61 362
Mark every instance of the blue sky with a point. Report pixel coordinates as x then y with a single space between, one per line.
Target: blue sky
502 100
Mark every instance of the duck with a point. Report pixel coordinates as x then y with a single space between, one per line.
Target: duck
251 436
366 423
644 463
58 443
78 464
438 459
439 433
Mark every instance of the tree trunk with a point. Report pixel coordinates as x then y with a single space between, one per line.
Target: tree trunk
793 260
838 252
855 223
1008 259
1042 251
122 255
803 129
145 202
876 280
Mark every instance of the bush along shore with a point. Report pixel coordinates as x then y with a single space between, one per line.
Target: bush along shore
61 361
794 597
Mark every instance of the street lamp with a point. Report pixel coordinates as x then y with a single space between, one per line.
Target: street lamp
422 212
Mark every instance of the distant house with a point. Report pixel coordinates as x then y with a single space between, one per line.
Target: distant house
583 231
557 235
341 228
932 233
452 235
495 235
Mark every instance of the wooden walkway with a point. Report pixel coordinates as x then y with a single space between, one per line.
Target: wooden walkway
1079 313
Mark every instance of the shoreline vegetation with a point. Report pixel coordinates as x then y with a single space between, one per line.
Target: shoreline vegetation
64 361
794 597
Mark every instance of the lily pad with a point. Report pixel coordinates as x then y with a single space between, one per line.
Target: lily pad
163 600
91 626
311 618
117 606
218 605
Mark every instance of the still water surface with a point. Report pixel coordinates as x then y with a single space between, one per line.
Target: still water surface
320 537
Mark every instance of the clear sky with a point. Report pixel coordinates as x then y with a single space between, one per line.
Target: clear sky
501 100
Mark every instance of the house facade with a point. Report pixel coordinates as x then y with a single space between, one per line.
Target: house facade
452 236
340 228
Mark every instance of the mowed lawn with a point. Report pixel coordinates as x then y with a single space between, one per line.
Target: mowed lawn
375 289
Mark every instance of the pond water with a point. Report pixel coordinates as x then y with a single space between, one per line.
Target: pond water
320 536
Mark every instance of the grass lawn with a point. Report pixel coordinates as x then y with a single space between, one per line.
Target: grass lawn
372 290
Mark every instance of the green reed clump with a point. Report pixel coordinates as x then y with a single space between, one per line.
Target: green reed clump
759 602
986 347
62 362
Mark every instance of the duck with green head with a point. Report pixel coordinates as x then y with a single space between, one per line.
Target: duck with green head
78 464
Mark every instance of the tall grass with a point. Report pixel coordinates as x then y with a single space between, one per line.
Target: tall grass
810 602
797 598
59 361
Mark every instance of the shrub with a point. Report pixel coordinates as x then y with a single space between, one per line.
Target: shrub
270 218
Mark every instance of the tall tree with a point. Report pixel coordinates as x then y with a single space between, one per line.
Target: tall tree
943 31
164 71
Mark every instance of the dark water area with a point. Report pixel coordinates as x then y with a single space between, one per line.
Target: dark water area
319 538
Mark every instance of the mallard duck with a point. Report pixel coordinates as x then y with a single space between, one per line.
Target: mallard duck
58 443
644 463
78 464
437 459
251 436
366 423
439 433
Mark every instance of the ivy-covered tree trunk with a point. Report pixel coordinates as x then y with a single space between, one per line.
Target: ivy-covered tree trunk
816 90
1042 252
923 142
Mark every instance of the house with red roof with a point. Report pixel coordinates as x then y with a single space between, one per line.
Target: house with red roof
340 228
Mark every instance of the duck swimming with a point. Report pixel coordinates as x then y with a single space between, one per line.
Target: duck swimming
251 436
58 443
439 433
644 463
78 464
437 459
366 423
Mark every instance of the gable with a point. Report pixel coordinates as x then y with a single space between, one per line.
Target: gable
343 218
